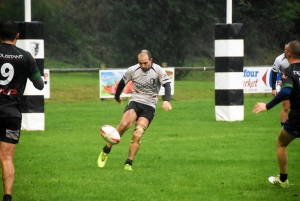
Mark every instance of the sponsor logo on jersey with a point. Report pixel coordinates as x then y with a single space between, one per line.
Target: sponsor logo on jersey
8 91
8 56
296 73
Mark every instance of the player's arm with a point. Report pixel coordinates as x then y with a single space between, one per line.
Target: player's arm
275 70
34 74
119 90
283 93
37 81
166 98
274 77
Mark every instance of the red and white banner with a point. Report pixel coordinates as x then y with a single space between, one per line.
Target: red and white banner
257 80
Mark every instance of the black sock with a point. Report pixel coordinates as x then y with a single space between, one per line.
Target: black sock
281 123
7 197
283 177
129 162
106 149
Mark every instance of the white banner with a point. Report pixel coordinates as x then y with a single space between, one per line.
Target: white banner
109 80
257 80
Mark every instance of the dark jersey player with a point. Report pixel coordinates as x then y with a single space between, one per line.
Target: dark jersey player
291 128
16 65
147 78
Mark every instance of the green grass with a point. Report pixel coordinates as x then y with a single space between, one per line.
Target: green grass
185 154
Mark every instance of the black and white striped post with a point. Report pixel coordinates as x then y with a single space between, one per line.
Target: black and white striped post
32 108
229 63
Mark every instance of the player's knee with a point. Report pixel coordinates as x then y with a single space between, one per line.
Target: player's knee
286 110
124 125
138 133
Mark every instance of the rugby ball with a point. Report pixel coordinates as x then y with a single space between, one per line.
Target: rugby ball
110 134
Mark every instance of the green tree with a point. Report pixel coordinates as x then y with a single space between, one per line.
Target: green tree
164 27
267 25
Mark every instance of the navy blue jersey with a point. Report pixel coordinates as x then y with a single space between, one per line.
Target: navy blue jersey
291 78
16 65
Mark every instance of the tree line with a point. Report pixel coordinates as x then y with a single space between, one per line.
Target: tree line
177 32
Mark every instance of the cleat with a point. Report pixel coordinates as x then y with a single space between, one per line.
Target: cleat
127 167
102 159
276 181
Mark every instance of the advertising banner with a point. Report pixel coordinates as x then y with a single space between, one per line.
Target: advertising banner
109 80
258 80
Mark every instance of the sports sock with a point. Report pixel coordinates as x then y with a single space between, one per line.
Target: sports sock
281 123
106 149
129 162
283 177
7 197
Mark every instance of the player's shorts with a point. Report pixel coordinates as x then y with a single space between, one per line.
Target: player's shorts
292 130
10 129
141 110
286 98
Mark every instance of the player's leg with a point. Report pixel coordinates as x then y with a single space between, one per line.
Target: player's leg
138 132
9 137
145 116
282 142
129 116
8 170
284 111
140 127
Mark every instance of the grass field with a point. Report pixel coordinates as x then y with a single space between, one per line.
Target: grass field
185 154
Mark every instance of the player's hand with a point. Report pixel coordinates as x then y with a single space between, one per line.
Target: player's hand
119 101
274 92
259 107
166 105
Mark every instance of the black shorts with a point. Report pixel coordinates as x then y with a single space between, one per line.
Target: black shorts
292 130
286 98
141 110
10 129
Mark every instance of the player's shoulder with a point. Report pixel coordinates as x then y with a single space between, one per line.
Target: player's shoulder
280 57
156 67
25 53
133 68
15 51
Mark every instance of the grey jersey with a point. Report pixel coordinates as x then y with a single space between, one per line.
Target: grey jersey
146 85
280 63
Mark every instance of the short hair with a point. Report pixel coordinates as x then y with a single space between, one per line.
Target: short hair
8 30
294 48
145 52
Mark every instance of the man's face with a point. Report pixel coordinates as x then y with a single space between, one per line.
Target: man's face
145 62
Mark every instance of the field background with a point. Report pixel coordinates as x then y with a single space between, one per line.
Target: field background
185 154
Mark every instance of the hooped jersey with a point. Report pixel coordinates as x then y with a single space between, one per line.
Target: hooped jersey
146 84
16 65
291 78
280 63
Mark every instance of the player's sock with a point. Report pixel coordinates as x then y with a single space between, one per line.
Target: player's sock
106 149
7 197
283 177
128 161
282 123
